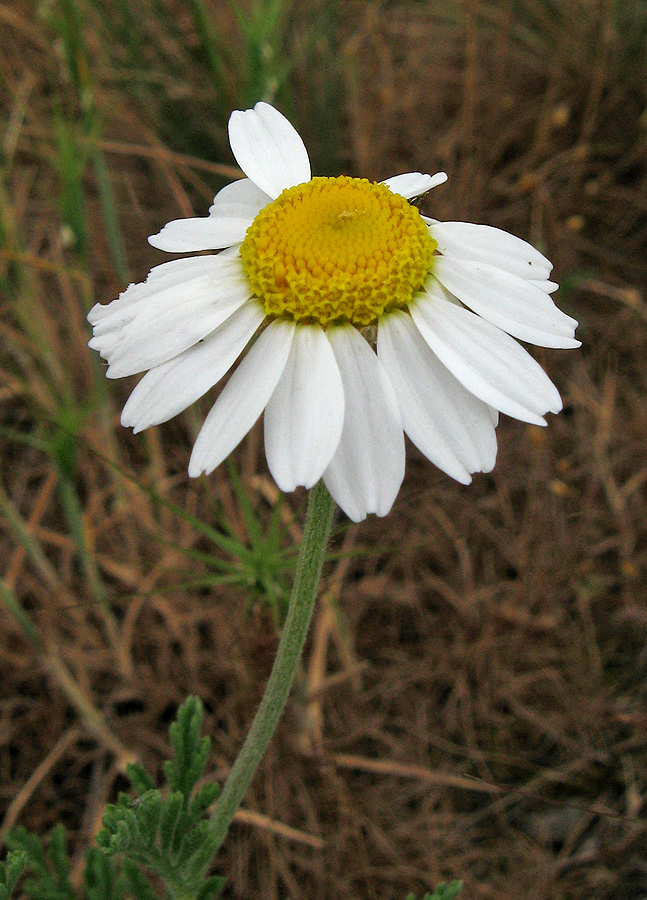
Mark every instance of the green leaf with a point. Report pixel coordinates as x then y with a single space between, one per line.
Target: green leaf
211 887
30 845
100 879
150 809
199 861
191 751
137 883
49 868
139 778
11 871
202 800
444 891
171 823
166 834
58 853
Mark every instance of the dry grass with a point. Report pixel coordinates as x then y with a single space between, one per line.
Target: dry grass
472 702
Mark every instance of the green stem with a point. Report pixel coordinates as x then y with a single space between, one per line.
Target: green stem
321 507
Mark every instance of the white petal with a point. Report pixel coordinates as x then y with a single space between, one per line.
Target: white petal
170 388
179 304
232 252
268 149
208 233
176 275
549 286
305 416
176 272
239 200
367 470
488 362
514 304
413 184
447 423
484 243
243 398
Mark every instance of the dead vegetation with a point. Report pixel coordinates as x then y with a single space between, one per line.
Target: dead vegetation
472 701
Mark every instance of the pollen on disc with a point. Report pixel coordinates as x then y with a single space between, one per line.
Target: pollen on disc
337 249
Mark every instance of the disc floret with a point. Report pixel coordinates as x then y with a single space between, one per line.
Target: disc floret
337 249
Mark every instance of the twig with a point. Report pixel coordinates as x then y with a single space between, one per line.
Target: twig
248 817
402 770
22 797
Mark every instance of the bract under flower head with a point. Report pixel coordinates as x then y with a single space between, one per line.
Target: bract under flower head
307 263
337 249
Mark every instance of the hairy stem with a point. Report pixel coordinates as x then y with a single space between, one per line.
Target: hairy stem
316 533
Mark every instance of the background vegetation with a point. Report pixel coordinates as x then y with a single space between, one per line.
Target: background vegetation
472 702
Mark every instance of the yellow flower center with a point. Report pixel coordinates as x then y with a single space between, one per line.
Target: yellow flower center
337 249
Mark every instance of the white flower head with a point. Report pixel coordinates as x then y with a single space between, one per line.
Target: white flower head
311 269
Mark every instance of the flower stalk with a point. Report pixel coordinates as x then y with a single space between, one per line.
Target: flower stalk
316 534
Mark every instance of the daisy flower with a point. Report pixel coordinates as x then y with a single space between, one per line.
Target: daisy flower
355 320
